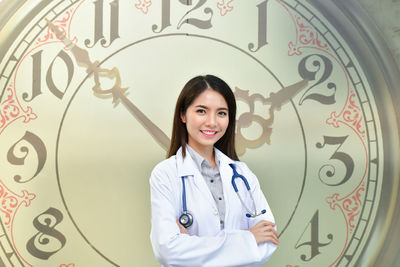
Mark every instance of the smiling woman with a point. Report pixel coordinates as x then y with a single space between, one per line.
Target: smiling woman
217 225
218 94
206 121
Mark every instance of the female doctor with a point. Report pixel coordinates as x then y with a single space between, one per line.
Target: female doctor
202 212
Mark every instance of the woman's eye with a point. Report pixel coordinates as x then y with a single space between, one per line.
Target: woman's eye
222 113
201 111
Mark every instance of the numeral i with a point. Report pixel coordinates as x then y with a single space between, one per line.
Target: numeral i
262 27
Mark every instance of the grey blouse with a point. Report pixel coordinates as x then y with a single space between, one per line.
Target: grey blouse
213 180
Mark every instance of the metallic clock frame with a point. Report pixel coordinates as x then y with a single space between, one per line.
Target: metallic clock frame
383 246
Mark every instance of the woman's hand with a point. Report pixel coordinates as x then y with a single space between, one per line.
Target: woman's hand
182 229
264 231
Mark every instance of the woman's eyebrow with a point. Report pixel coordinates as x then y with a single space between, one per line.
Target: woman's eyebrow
201 106
205 107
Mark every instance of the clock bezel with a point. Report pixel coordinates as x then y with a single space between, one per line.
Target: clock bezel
372 52
354 24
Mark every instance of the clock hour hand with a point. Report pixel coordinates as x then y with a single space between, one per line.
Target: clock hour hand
285 94
276 100
83 60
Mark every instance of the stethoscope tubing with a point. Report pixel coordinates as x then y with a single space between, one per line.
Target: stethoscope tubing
186 219
235 175
184 195
187 216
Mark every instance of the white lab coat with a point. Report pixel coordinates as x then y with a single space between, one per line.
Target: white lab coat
206 244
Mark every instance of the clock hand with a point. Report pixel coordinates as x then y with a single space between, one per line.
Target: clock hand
82 58
81 55
285 94
276 100
280 98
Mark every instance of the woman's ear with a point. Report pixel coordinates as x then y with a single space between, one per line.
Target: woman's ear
183 117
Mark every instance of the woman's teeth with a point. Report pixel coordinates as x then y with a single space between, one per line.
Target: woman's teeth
209 133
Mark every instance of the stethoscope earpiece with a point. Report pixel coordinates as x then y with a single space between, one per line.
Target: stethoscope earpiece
263 211
248 215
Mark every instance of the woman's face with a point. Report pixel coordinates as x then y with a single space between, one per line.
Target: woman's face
206 120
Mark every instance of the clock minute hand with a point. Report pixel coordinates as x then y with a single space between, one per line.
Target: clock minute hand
81 55
154 130
82 58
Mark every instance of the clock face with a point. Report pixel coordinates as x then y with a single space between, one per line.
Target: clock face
80 133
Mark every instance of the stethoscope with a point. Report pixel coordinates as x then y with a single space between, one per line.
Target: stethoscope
186 219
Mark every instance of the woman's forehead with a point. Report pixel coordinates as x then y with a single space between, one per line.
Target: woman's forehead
210 97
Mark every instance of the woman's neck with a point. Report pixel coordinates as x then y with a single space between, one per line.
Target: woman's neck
207 153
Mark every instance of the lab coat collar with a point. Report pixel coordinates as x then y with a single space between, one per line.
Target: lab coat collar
187 167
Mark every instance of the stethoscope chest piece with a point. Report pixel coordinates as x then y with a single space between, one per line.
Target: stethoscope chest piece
186 219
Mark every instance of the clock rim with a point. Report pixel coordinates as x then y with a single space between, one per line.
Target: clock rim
13 19
354 24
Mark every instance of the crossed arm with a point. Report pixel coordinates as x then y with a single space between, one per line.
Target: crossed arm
263 232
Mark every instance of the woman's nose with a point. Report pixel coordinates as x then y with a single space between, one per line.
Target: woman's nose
211 120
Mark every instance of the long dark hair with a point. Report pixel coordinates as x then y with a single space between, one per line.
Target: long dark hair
190 91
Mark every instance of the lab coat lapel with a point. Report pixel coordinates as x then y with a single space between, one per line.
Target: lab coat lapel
187 167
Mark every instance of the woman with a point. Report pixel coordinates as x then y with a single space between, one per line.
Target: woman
197 217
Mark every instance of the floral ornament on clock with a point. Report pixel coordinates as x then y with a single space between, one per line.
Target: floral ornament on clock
143 5
225 7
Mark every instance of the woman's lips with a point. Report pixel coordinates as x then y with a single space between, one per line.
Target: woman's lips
208 134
